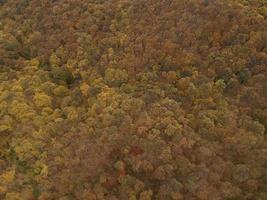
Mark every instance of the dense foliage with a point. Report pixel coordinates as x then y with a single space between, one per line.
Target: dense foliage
133 99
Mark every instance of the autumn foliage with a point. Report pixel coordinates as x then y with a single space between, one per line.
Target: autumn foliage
133 100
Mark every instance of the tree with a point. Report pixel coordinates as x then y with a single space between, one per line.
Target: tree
115 77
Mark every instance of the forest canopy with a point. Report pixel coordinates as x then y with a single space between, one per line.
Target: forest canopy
133 100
